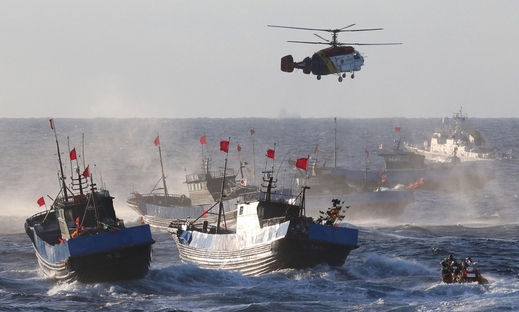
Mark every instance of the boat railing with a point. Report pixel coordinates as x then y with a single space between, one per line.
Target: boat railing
155 197
36 218
220 173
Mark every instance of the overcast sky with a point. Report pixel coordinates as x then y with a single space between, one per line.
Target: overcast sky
218 59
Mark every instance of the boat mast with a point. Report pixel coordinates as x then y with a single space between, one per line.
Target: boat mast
157 142
302 211
63 185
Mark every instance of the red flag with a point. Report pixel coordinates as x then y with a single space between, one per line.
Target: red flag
302 163
367 153
73 155
203 140
41 200
397 129
316 149
224 146
204 213
51 121
270 153
157 141
238 147
252 132
86 173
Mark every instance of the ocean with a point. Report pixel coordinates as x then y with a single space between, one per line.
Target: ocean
396 267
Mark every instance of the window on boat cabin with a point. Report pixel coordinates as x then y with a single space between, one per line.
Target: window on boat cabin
195 186
241 210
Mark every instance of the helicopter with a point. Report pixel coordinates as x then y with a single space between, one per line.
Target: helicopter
340 58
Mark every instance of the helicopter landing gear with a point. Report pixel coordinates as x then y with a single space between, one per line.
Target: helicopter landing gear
318 77
352 75
343 75
340 79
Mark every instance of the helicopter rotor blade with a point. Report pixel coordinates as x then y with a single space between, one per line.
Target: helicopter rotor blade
365 29
308 42
365 44
321 38
346 27
301 28
328 30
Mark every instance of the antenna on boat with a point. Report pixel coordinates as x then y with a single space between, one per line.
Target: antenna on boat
157 143
224 146
63 184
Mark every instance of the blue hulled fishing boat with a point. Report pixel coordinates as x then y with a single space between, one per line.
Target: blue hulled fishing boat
80 237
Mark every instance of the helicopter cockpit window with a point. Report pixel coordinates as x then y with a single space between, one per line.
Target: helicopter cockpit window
356 55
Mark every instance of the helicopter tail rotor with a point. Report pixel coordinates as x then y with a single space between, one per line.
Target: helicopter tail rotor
287 64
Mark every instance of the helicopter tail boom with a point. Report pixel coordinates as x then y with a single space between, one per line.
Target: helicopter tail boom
288 65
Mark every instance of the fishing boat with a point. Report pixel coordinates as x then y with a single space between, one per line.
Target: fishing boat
80 237
270 234
455 144
367 202
159 208
407 168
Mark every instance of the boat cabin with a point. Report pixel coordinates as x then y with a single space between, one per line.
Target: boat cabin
84 211
401 160
258 214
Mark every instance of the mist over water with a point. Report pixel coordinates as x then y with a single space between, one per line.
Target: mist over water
396 266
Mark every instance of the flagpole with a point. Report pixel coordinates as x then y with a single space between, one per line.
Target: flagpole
303 208
220 210
273 158
70 160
